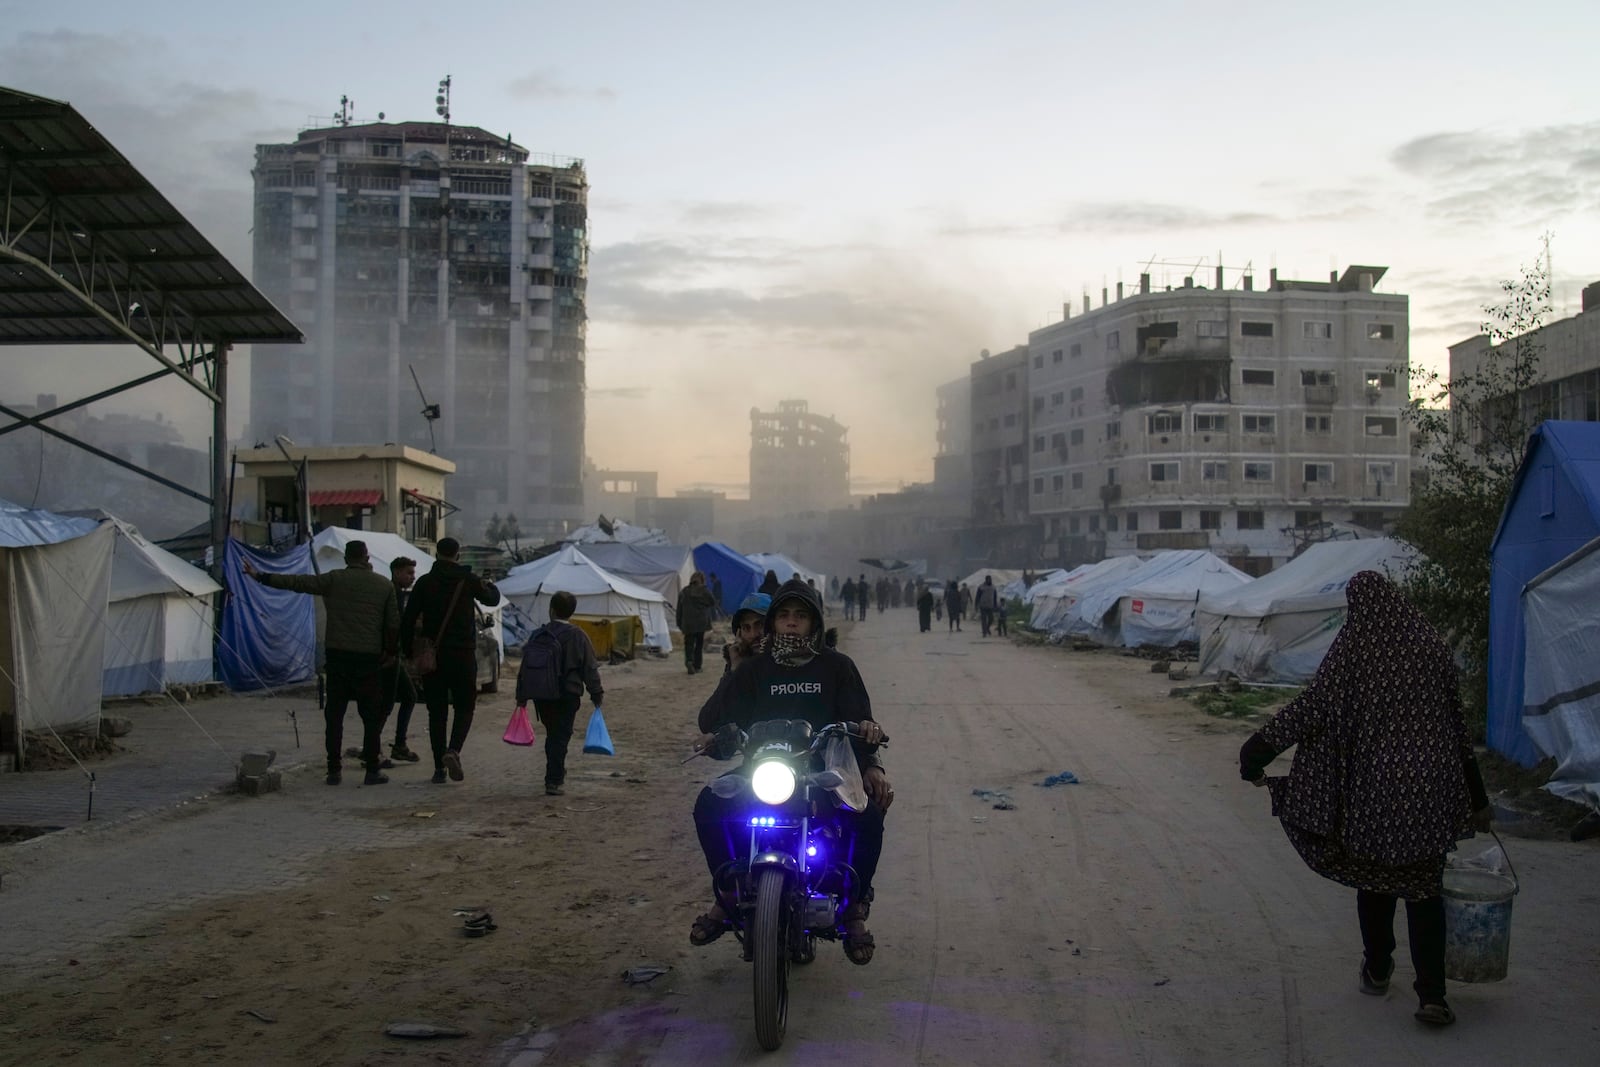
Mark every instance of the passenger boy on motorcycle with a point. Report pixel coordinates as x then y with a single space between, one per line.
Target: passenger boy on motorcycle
797 677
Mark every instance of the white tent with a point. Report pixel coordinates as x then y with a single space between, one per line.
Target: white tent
1052 606
664 568
55 576
1018 590
598 591
1156 604
1043 586
786 568
1561 677
621 532
160 620
1001 578
1278 627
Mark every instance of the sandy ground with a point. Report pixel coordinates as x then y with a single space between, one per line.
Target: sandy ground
1152 914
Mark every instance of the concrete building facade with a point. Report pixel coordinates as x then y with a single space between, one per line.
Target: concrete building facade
952 460
444 251
390 488
1000 420
1568 385
799 462
1238 420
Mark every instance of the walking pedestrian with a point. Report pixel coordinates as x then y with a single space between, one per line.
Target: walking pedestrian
1383 781
769 583
440 609
952 605
924 609
695 608
1000 619
715 585
966 602
362 621
862 589
848 595
988 600
398 688
558 664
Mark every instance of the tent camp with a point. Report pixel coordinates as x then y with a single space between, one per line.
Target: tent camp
739 576
1052 606
598 591
1561 681
664 568
55 576
1278 627
160 619
1553 510
1157 596
786 568
1018 589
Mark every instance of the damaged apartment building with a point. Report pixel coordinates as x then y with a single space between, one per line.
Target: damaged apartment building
1240 420
449 253
799 462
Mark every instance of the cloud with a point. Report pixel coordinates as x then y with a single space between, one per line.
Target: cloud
1115 217
726 213
539 85
1524 177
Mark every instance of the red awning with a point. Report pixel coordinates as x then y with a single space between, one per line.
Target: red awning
333 498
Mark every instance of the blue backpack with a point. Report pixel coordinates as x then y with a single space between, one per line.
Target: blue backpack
542 670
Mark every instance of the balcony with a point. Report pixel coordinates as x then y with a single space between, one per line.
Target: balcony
1173 539
1321 396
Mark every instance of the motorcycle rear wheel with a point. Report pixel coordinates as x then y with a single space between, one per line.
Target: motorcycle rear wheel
770 957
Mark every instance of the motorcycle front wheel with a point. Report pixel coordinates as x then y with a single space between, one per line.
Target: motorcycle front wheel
770 956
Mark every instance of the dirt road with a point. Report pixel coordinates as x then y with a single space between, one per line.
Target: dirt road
1151 914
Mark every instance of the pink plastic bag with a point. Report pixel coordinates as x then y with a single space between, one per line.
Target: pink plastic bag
519 731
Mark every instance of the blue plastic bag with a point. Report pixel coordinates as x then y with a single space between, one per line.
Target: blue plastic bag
598 740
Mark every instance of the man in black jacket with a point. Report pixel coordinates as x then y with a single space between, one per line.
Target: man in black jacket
442 602
798 677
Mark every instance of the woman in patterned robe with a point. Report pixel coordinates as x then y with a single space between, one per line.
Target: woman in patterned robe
1383 780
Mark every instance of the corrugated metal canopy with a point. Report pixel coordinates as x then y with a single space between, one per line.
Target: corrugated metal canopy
79 224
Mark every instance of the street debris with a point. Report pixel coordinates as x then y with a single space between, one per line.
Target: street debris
644 973
1162 981
1064 778
423 814
263 1016
381 898
423 1031
1002 800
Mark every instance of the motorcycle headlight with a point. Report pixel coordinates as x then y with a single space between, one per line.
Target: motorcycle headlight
773 782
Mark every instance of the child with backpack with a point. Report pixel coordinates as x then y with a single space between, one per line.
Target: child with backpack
558 663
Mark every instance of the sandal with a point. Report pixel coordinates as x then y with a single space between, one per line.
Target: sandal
858 941
707 928
1436 1014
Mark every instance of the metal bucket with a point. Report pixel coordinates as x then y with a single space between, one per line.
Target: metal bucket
1477 924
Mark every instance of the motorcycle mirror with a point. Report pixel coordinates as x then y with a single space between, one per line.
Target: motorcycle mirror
828 779
729 786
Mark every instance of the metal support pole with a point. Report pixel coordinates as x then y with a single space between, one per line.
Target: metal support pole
219 460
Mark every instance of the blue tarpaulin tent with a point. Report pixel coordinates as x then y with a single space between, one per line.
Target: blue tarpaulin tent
739 576
268 636
1553 510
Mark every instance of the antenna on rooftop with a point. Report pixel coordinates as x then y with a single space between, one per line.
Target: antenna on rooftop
430 412
346 113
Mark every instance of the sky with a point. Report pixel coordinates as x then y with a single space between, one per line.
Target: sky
845 203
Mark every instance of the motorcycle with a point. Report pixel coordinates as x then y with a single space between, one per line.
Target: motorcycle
793 884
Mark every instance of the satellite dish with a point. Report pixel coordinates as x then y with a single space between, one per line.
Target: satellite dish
380 116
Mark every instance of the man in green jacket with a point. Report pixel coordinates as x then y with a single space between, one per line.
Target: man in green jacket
363 621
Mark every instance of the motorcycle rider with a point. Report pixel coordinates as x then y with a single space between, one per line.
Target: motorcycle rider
797 676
